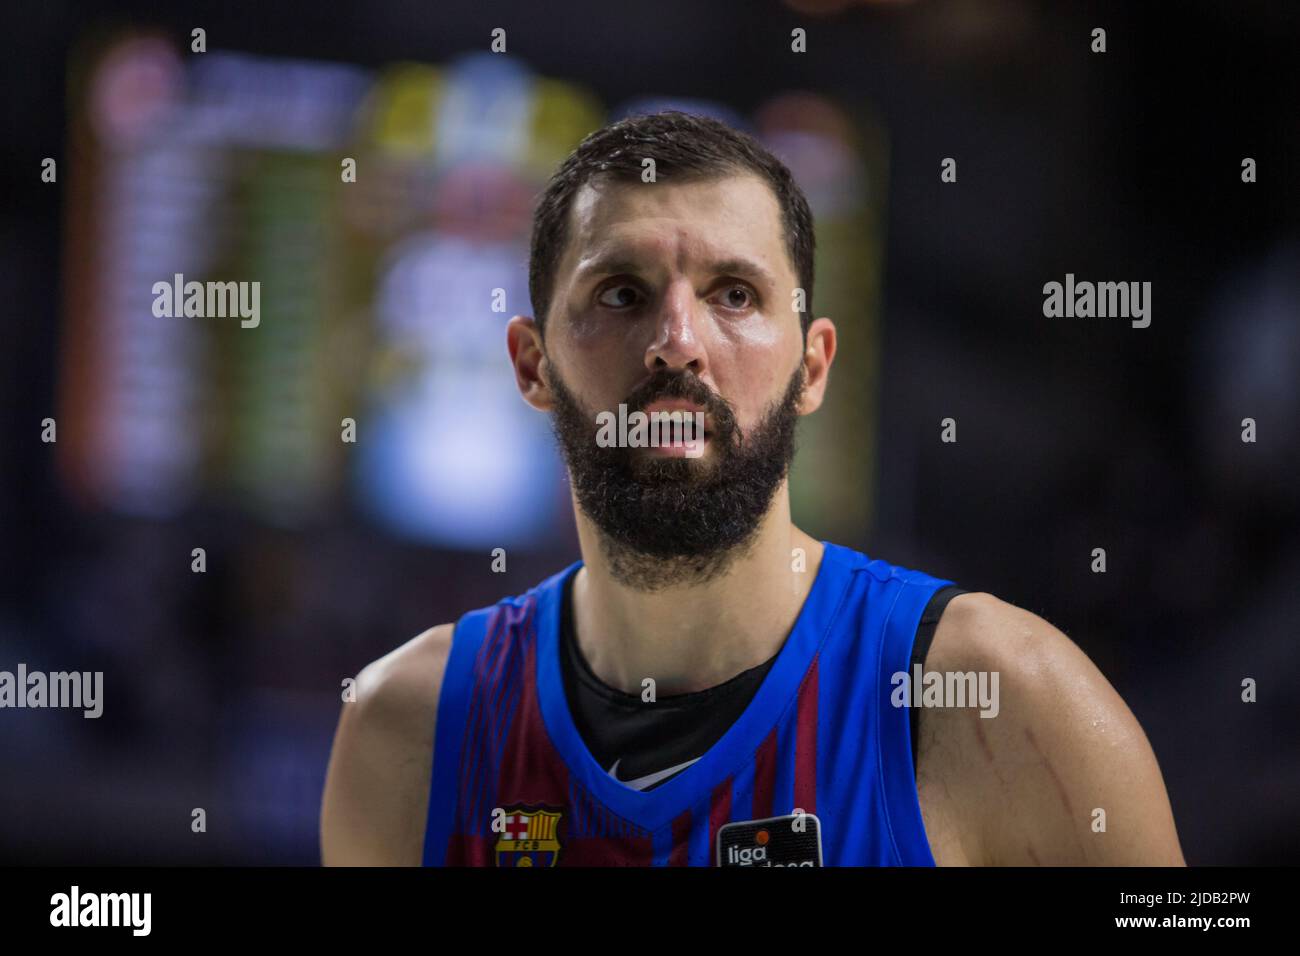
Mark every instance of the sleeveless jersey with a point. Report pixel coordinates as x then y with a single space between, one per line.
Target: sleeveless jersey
513 784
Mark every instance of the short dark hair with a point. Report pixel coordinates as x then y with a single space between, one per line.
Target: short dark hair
684 147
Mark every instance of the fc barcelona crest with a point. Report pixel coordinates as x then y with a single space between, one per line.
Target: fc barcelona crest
530 838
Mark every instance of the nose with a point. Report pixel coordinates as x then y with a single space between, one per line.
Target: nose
676 344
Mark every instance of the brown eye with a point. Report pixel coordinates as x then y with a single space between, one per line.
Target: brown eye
737 297
623 297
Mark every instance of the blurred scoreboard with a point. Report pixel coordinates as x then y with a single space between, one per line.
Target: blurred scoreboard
376 294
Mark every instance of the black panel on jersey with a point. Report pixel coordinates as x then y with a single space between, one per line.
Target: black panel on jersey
647 738
921 646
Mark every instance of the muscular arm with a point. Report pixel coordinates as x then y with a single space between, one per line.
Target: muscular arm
377 788
1022 788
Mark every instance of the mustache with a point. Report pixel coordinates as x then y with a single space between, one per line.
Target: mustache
685 385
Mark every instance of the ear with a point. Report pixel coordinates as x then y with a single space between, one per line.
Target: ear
817 358
528 356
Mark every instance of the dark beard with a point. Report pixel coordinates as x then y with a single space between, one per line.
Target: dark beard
672 521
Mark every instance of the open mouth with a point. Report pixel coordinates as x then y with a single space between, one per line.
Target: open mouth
675 444
665 406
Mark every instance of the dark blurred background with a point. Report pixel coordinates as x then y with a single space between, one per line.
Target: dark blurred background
222 688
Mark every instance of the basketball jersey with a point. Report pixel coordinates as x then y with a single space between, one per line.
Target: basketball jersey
820 743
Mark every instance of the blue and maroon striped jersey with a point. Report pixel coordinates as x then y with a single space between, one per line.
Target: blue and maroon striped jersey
514 785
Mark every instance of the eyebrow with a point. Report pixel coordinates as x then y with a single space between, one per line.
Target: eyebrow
615 263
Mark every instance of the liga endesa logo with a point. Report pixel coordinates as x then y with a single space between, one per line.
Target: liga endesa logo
793 840
757 855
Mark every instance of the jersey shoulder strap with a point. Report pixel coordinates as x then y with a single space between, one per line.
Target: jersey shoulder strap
506 623
901 597
921 647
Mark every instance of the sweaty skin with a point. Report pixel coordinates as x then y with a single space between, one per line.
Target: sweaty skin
694 276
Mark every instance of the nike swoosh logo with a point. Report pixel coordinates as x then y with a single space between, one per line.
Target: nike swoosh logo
650 779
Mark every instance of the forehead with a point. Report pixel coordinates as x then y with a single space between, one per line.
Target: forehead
735 216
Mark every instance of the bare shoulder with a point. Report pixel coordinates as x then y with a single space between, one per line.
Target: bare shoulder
377 786
1056 771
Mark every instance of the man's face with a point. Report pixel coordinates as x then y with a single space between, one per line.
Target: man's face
676 292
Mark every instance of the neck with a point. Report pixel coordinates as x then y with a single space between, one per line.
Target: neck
694 633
